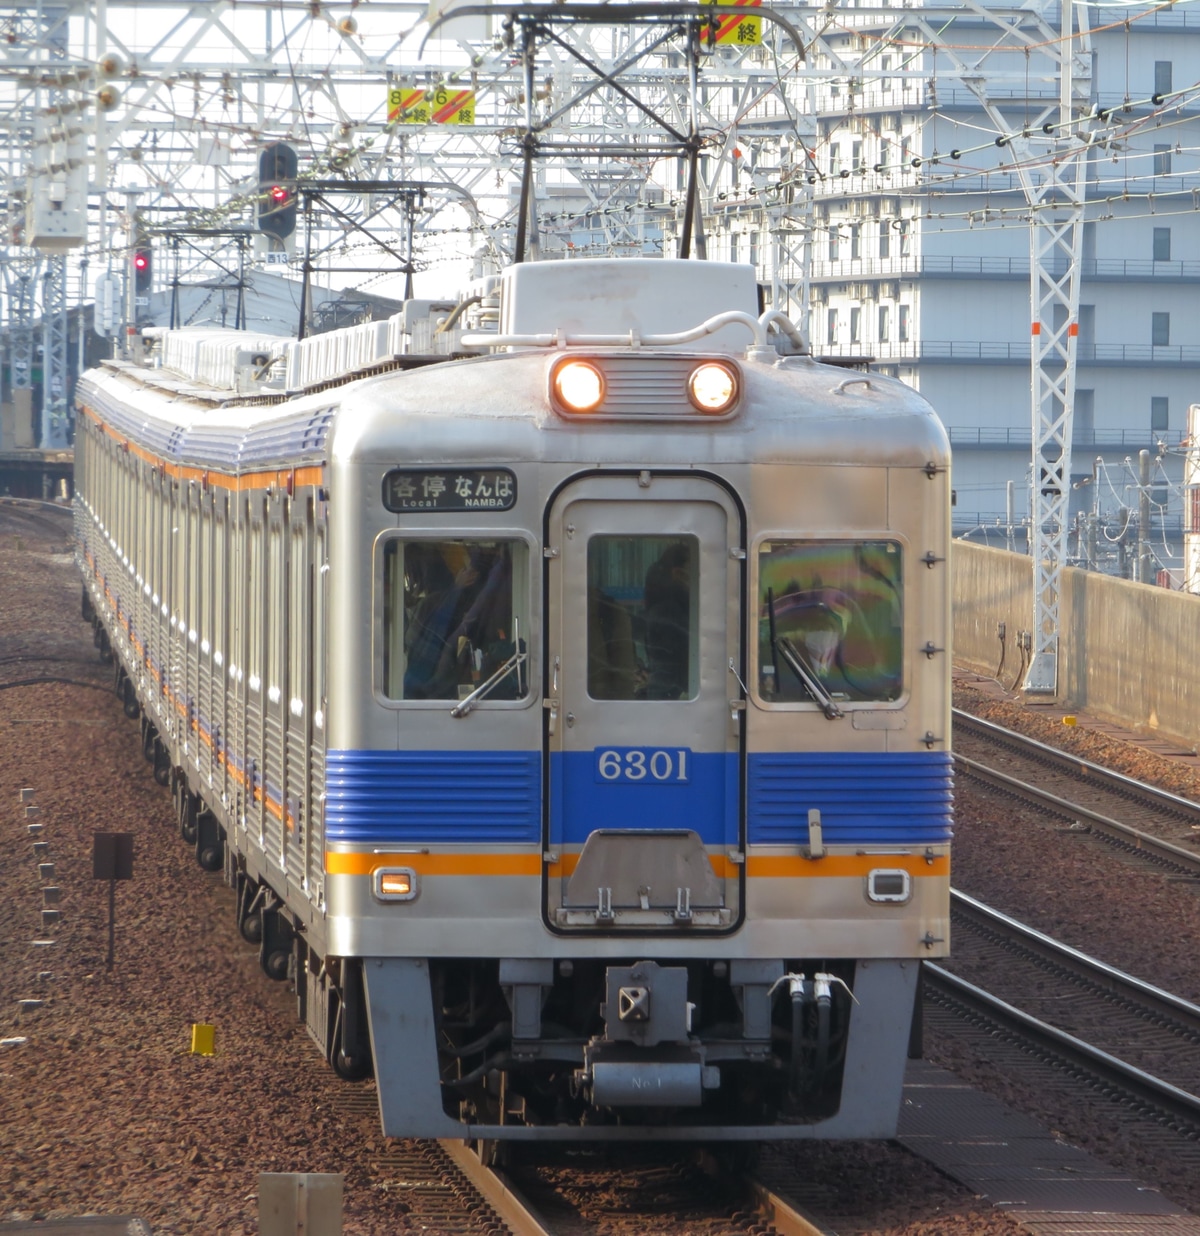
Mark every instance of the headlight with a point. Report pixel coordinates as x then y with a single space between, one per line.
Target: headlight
579 386
712 388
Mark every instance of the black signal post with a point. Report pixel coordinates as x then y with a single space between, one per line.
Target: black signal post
112 860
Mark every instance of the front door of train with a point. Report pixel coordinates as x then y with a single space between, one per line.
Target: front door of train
644 593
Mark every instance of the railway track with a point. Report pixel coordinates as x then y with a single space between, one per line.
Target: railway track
35 518
1151 1032
1140 819
573 1192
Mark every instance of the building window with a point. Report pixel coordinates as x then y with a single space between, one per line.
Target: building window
1162 77
855 324
885 238
753 248
904 323
884 323
885 153
904 237
1160 329
1159 414
831 327
834 237
855 241
856 156
835 158
1162 244
733 246
1084 432
1162 159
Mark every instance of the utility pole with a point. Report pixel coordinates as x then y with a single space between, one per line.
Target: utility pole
1056 250
1142 566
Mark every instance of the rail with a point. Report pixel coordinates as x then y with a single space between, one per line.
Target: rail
1160 1005
494 1188
1175 1104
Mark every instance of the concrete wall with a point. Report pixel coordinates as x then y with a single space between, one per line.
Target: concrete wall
1129 652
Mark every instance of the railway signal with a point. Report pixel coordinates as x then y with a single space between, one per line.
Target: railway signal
142 261
278 164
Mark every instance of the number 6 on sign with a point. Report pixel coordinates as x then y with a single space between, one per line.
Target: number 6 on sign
650 765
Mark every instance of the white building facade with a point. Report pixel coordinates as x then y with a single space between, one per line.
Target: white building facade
919 250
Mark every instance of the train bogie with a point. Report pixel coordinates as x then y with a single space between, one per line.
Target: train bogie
572 719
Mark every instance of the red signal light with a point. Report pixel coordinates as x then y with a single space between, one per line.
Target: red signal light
279 194
140 261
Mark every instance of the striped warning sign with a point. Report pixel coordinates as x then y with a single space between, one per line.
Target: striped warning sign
408 106
453 106
738 28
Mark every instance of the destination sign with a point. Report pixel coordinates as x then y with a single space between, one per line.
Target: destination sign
453 489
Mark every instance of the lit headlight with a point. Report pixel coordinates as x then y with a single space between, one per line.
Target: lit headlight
712 388
579 386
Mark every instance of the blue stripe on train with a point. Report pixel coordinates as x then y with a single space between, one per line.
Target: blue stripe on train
902 798
495 796
707 802
433 796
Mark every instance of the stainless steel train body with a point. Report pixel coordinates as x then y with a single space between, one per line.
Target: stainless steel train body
581 750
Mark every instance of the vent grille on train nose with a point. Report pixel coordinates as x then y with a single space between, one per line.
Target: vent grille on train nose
644 388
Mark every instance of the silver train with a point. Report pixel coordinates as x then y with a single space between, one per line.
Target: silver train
571 715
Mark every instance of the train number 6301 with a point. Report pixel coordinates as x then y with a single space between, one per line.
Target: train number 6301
649 764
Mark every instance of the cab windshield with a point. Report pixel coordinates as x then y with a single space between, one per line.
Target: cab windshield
454 614
835 607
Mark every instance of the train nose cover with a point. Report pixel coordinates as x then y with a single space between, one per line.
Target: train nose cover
646 1058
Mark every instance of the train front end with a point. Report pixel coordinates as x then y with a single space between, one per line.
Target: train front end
638 789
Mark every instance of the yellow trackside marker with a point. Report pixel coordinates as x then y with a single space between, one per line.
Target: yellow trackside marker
1070 720
203 1039
407 106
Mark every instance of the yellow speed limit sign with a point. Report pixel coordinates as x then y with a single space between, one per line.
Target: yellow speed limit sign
738 28
453 106
407 106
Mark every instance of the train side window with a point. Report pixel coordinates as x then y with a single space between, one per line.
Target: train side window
643 617
452 613
832 610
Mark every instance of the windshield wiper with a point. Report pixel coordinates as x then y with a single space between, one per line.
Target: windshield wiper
514 662
782 646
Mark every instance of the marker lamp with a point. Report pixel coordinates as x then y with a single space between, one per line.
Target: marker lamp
395 883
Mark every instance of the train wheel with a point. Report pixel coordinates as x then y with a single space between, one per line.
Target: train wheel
492 1153
275 950
351 1068
130 700
162 763
351 1054
249 924
211 858
189 811
149 734
210 849
275 963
